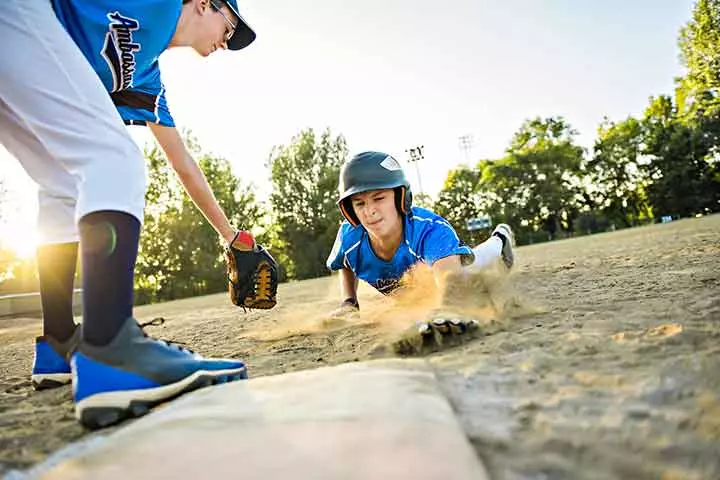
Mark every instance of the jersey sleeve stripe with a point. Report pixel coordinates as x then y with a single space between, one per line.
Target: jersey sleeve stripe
411 250
157 103
135 99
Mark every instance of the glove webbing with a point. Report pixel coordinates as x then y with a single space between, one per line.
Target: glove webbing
264 286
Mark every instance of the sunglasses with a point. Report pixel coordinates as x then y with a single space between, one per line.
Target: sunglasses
228 33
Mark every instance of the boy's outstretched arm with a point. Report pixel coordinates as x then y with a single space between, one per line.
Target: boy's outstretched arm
193 180
348 291
348 287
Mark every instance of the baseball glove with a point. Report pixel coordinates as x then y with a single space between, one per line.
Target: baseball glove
252 277
434 335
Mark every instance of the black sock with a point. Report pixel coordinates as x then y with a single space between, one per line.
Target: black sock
56 272
109 245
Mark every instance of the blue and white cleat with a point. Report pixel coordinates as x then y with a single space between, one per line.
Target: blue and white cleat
135 372
507 236
51 368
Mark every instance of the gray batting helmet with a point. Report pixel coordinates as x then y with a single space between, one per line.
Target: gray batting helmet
372 171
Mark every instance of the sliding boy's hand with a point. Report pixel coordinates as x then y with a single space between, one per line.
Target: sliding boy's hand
347 309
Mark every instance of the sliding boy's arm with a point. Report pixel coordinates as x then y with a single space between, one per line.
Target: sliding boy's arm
348 288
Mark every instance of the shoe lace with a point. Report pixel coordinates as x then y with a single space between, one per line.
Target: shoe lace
157 322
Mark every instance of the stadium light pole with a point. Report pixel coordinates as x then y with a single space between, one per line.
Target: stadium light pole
466 143
416 154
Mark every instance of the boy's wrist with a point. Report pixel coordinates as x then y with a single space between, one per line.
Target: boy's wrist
228 234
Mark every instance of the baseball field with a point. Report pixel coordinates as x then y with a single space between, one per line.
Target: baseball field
598 357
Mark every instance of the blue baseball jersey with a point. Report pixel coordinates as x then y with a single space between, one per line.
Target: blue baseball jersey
427 237
122 40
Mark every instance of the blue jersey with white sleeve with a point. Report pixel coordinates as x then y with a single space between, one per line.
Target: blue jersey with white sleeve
427 237
122 40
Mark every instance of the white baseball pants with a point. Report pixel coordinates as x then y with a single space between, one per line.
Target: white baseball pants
58 120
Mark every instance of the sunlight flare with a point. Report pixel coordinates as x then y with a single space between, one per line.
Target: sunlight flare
22 243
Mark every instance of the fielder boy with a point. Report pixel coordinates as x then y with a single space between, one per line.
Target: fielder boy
72 72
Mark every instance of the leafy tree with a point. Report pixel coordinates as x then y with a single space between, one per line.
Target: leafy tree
684 176
536 186
695 141
305 181
615 172
422 200
180 254
699 42
455 201
539 180
467 194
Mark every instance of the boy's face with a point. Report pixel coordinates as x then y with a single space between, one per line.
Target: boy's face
217 23
377 212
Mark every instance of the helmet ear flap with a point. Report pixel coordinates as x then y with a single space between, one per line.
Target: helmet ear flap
403 199
348 212
407 205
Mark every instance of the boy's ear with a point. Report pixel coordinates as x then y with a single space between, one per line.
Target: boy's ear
201 5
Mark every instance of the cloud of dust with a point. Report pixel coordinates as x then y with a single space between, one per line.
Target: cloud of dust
486 296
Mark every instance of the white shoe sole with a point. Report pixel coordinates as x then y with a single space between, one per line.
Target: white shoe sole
41 381
104 409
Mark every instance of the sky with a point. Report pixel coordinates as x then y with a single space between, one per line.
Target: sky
390 75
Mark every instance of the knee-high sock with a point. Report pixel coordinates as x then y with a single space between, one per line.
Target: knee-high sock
109 246
56 271
487 252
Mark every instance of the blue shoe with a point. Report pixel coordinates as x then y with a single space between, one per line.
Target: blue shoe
51 368
136 372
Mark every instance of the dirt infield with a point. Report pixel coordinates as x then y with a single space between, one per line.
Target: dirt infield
612 372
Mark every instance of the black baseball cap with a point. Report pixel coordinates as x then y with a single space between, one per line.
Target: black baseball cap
244 35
